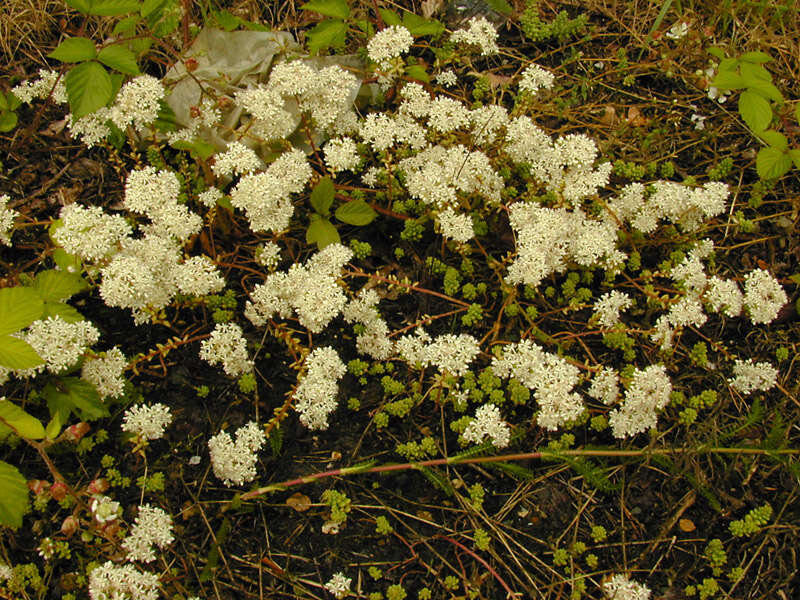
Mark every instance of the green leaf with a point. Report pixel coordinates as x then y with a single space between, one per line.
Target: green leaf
390 17
151 6
226 20
13 102
80 5
338 9
716 52
88 88
755 111
113 8
322 196
24 425
57 286
794 154
755 57
165 119
4 101
754 73
54 427
8 120
74 49
326 34
67 313
162 16
775 139
766 89
14 499
728 64
356 212
64 260
19 307
202 149
500 6
728 80
772 163
417 72
71 394
126 25
321 232
419 26
17 354
119 58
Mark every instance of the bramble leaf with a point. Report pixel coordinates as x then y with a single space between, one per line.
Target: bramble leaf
322 196
19 307
74 49
772 163
755 111
119 58
113 8
17 354
326 34
88 88
24 425
14 499
338 9
56 286
321 232
356 212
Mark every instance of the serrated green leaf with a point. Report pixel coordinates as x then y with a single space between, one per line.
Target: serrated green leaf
390 17
17 354
73 395
113 8
322 196
54 427
24 425
74 49
88 88
338 9
728 64
772 163
149 7
13 102
419 26
226 20
163 16
775 139
201 148
326 34
119 58
766 89
65 260
14 499
417 72
500 6
728 80
755 111
126 25
8 120
716 52
322 233
19 307
57 286
794 154
80 5
754 73
755 57
356 212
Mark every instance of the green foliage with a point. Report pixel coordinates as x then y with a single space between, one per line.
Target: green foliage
561 28
339 504
482 539
89 87
356 212
14 499
383 527
752 522
396 592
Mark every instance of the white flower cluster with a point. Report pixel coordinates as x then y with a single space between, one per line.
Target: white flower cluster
105 373
551 378
122 582
310 290
479 32
235 462
605 386
155 194
648 392
341 154
298 87
450 353
266 196
315 397
7 216
436 174
210 197
447 78
48 81
620 587
339 585
389 43
724 295
549 238
58 343
204 115
535 78
237 159
382 131
268 255
147 422
153 527
137 103
750 377
227 345
488 423
90 233
456 226
763 296
677 203
609 305
374 341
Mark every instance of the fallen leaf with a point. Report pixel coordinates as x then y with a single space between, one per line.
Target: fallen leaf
636 118
686 525
497 80
299 502
609 117
431 7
